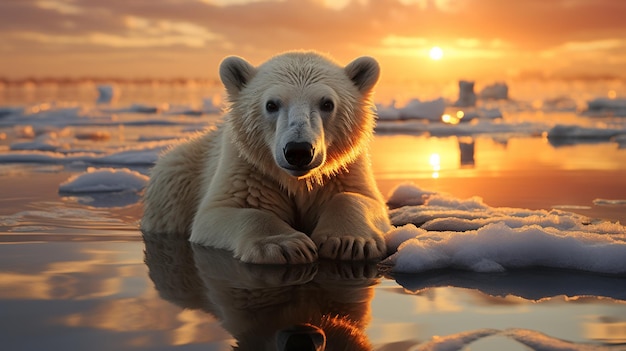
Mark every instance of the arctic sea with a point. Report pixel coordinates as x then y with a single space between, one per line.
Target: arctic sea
509 220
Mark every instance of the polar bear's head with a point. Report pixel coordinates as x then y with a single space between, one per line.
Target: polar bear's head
300 114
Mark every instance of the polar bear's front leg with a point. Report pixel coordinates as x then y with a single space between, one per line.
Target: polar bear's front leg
351 227
252 235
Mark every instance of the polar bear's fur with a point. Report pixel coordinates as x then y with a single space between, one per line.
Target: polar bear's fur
286 177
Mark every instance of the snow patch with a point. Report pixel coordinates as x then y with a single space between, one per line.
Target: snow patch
99 180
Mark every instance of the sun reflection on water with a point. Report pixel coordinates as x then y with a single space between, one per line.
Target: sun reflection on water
435 163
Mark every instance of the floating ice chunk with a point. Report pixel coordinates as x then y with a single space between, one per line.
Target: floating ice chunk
496 247
147 156
387 112
607 202
140 108
490 113
106 94
7 110
476 126
467 97
138 157
561 131
602 107
600 104
33 145
446 232
496 91
99 180
430 110
406 195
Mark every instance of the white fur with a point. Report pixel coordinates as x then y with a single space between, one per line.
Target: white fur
234 188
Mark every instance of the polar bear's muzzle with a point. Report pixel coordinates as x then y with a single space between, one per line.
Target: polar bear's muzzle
299 156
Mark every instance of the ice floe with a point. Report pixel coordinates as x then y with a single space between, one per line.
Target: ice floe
99 180
106 93
606 106
467 96
496 91
438 231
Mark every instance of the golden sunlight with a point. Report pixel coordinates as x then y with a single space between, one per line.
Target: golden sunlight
435 53
435 163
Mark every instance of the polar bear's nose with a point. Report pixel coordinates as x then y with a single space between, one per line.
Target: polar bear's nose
299 154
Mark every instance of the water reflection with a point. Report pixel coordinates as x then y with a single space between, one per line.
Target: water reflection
264 306
467 145
536 284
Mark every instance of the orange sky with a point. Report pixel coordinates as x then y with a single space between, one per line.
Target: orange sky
481 39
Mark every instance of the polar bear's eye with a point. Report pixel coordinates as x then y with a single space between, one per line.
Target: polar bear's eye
271 106
327 105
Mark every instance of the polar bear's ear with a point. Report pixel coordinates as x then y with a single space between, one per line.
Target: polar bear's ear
235 73
364 72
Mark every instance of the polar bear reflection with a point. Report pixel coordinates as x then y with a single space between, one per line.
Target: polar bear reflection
323 305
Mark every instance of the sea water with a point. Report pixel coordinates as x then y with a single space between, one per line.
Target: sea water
75 273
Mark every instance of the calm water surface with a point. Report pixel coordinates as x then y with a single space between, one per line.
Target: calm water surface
76 275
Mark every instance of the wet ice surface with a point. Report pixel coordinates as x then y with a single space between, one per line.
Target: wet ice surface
436 231
513 186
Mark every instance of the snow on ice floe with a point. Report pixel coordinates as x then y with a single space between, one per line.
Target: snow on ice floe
107 93
144 156
414 109
495 91
578 132
437 231
467 96
606 106
105 187
477 127
99 180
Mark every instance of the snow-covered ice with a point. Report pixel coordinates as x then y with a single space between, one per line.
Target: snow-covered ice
99 180
107 93
415 109
467 96
496 91
438 231
606 106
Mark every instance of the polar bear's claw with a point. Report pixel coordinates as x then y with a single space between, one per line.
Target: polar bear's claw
350 248
281 249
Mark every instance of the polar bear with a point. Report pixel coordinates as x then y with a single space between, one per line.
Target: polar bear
286 177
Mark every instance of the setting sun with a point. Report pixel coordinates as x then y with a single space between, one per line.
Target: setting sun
435 53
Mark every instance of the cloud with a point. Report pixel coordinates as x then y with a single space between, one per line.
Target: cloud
258 29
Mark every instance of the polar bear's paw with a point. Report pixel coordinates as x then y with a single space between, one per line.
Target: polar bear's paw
349 247
291 248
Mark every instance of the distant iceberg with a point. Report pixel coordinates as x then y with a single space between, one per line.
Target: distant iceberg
106 94
561 133
606 107
414 109
467 97
496 91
